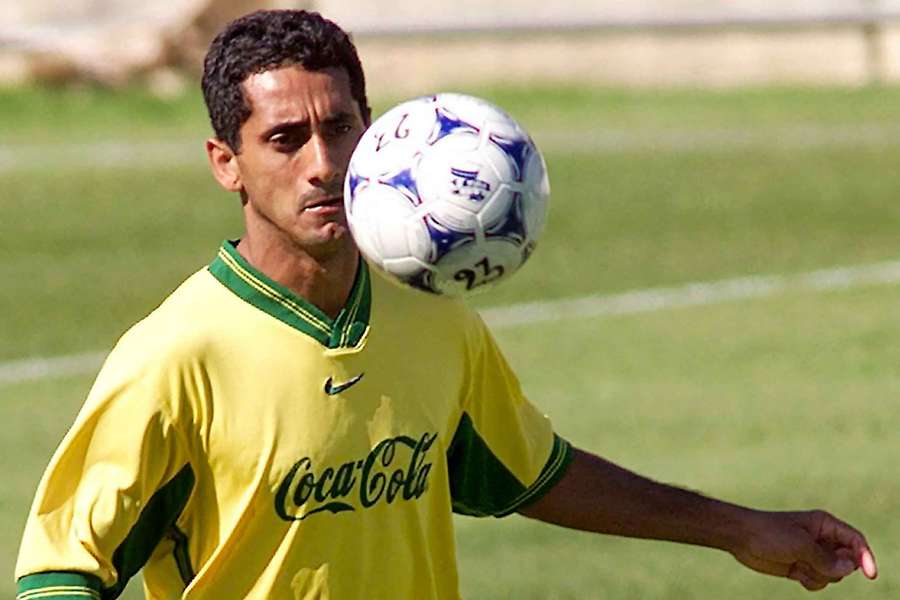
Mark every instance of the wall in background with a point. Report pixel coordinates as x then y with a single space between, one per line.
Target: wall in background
408 50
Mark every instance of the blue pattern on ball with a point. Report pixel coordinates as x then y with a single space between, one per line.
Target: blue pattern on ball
518 151
512 227
447 123
404 182
445 239
355 181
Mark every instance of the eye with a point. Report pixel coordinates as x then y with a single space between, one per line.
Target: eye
285 141
339 128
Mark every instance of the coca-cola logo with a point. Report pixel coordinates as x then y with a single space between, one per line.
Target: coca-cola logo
395 469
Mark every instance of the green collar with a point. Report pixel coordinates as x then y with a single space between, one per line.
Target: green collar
235 273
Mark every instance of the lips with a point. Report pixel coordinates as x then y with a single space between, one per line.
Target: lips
333 203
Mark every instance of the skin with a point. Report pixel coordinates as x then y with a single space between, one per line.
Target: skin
811 547
295 148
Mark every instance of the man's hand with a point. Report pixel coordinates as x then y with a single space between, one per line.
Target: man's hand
812 547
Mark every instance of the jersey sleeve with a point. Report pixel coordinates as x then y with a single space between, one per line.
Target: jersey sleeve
115 486
504 454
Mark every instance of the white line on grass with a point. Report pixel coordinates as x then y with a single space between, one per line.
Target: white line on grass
101 155
34 369
691 294
600 305
113 154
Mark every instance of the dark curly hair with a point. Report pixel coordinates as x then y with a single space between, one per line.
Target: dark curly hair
265 40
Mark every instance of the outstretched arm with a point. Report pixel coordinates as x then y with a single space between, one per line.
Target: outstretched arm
811 547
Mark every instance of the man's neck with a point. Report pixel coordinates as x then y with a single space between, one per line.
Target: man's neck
324 281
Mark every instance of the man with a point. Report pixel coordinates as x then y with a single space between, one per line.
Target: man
281 427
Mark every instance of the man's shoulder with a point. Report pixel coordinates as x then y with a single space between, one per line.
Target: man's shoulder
155 356
404 298
421 311
182 322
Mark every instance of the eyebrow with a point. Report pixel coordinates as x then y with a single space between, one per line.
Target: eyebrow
339 117
284 126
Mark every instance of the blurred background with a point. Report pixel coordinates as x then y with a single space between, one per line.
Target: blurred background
713 302
642 43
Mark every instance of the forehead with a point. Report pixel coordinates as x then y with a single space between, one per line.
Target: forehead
292 93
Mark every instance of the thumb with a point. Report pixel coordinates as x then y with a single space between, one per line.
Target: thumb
867 562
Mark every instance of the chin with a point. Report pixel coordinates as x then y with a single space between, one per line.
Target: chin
329 240
337 231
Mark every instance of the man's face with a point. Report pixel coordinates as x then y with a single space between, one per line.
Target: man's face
295 148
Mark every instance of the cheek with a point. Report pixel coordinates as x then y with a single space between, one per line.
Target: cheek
346 150
273 178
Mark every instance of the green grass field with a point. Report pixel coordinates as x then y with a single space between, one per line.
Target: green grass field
782 402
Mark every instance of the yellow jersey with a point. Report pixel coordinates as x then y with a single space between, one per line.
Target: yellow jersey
239 443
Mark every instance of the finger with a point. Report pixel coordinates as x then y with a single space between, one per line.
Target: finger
807 577
810 578
809 584
845 553
829 564
867 563
865 560
818 576
836 531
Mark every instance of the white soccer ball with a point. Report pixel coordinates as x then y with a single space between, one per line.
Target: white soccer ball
447 194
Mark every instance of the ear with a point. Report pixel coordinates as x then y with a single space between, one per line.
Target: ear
224 165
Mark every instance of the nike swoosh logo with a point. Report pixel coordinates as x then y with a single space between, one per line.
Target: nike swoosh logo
332 389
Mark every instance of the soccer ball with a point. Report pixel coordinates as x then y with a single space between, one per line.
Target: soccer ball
447 194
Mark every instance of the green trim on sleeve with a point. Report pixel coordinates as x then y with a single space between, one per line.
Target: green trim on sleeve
181 555
59 586
560 458
481 485
153 524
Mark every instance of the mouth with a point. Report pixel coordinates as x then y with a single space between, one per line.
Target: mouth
329 205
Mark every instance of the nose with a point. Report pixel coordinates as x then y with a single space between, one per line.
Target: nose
323 167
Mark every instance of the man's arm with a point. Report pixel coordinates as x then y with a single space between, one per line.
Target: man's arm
119 479
811 547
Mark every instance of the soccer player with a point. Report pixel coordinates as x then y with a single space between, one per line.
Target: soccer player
287 424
